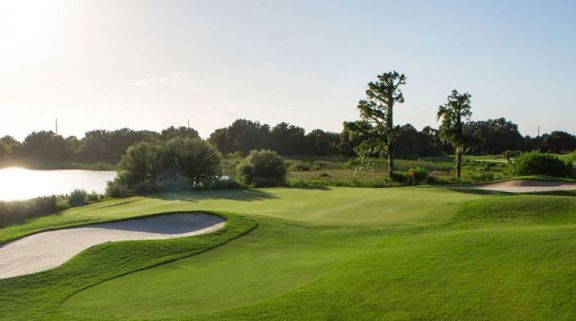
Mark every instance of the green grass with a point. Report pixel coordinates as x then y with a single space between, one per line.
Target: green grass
318 254
568 157
543 209
268 262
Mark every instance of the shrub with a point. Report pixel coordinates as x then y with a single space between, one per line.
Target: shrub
511 154
321 165
262 168
142 162
194 159
117 187
178 164
93 197
481 176
300 167
419 174
78 198
398 177
226 183
536 163
19 211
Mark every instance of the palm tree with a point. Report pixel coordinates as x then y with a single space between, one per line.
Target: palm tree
453 115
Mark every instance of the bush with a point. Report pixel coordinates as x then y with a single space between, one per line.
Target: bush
262 168
399 177
117 187
16 212
194 159
19 211
420 174
93 197
321 165
511 154
142 162
226 183
178 164
481 176
536 163
78 198
300 167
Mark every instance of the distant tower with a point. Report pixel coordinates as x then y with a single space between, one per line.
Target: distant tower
538 130
56 123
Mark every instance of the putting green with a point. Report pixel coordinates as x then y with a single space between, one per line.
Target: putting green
339 206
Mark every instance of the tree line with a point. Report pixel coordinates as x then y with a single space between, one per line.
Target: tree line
46 147
362 137
379 136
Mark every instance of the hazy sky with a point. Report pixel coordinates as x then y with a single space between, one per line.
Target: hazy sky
152 64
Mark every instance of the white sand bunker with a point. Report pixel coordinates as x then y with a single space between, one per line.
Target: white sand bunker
50 249
527 186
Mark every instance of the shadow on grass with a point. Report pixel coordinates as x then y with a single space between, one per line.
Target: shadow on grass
169 223
234 195
478 191
475 191
312 187
98 206
553 193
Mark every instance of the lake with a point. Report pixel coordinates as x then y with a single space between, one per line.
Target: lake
20 183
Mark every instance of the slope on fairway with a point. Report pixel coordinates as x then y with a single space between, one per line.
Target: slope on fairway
270 261
512 274
321 206
311 250
335 206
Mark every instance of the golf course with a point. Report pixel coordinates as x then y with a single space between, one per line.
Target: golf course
318 253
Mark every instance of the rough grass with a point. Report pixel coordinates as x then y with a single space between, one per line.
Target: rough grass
320 254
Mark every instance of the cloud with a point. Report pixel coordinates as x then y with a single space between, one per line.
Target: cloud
172 79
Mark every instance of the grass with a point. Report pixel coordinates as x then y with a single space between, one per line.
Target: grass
568 157
254 268
318 254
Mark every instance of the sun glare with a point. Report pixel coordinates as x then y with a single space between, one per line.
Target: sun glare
28 28
18 183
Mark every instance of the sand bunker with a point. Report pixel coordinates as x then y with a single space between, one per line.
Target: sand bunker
50 249
527 186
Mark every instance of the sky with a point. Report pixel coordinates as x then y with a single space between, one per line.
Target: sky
150 64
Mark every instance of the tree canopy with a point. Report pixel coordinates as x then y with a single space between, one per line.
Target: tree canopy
377 110
453 116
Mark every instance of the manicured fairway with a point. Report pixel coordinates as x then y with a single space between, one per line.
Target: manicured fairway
319 254
272 260
320 206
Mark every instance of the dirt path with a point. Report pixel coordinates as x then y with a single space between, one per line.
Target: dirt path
50 249
527 186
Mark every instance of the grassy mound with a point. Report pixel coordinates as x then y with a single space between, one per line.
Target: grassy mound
272 260
526 208
36 296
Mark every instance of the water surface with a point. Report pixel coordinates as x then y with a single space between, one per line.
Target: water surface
20 183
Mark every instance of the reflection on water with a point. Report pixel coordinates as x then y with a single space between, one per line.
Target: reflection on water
20 183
